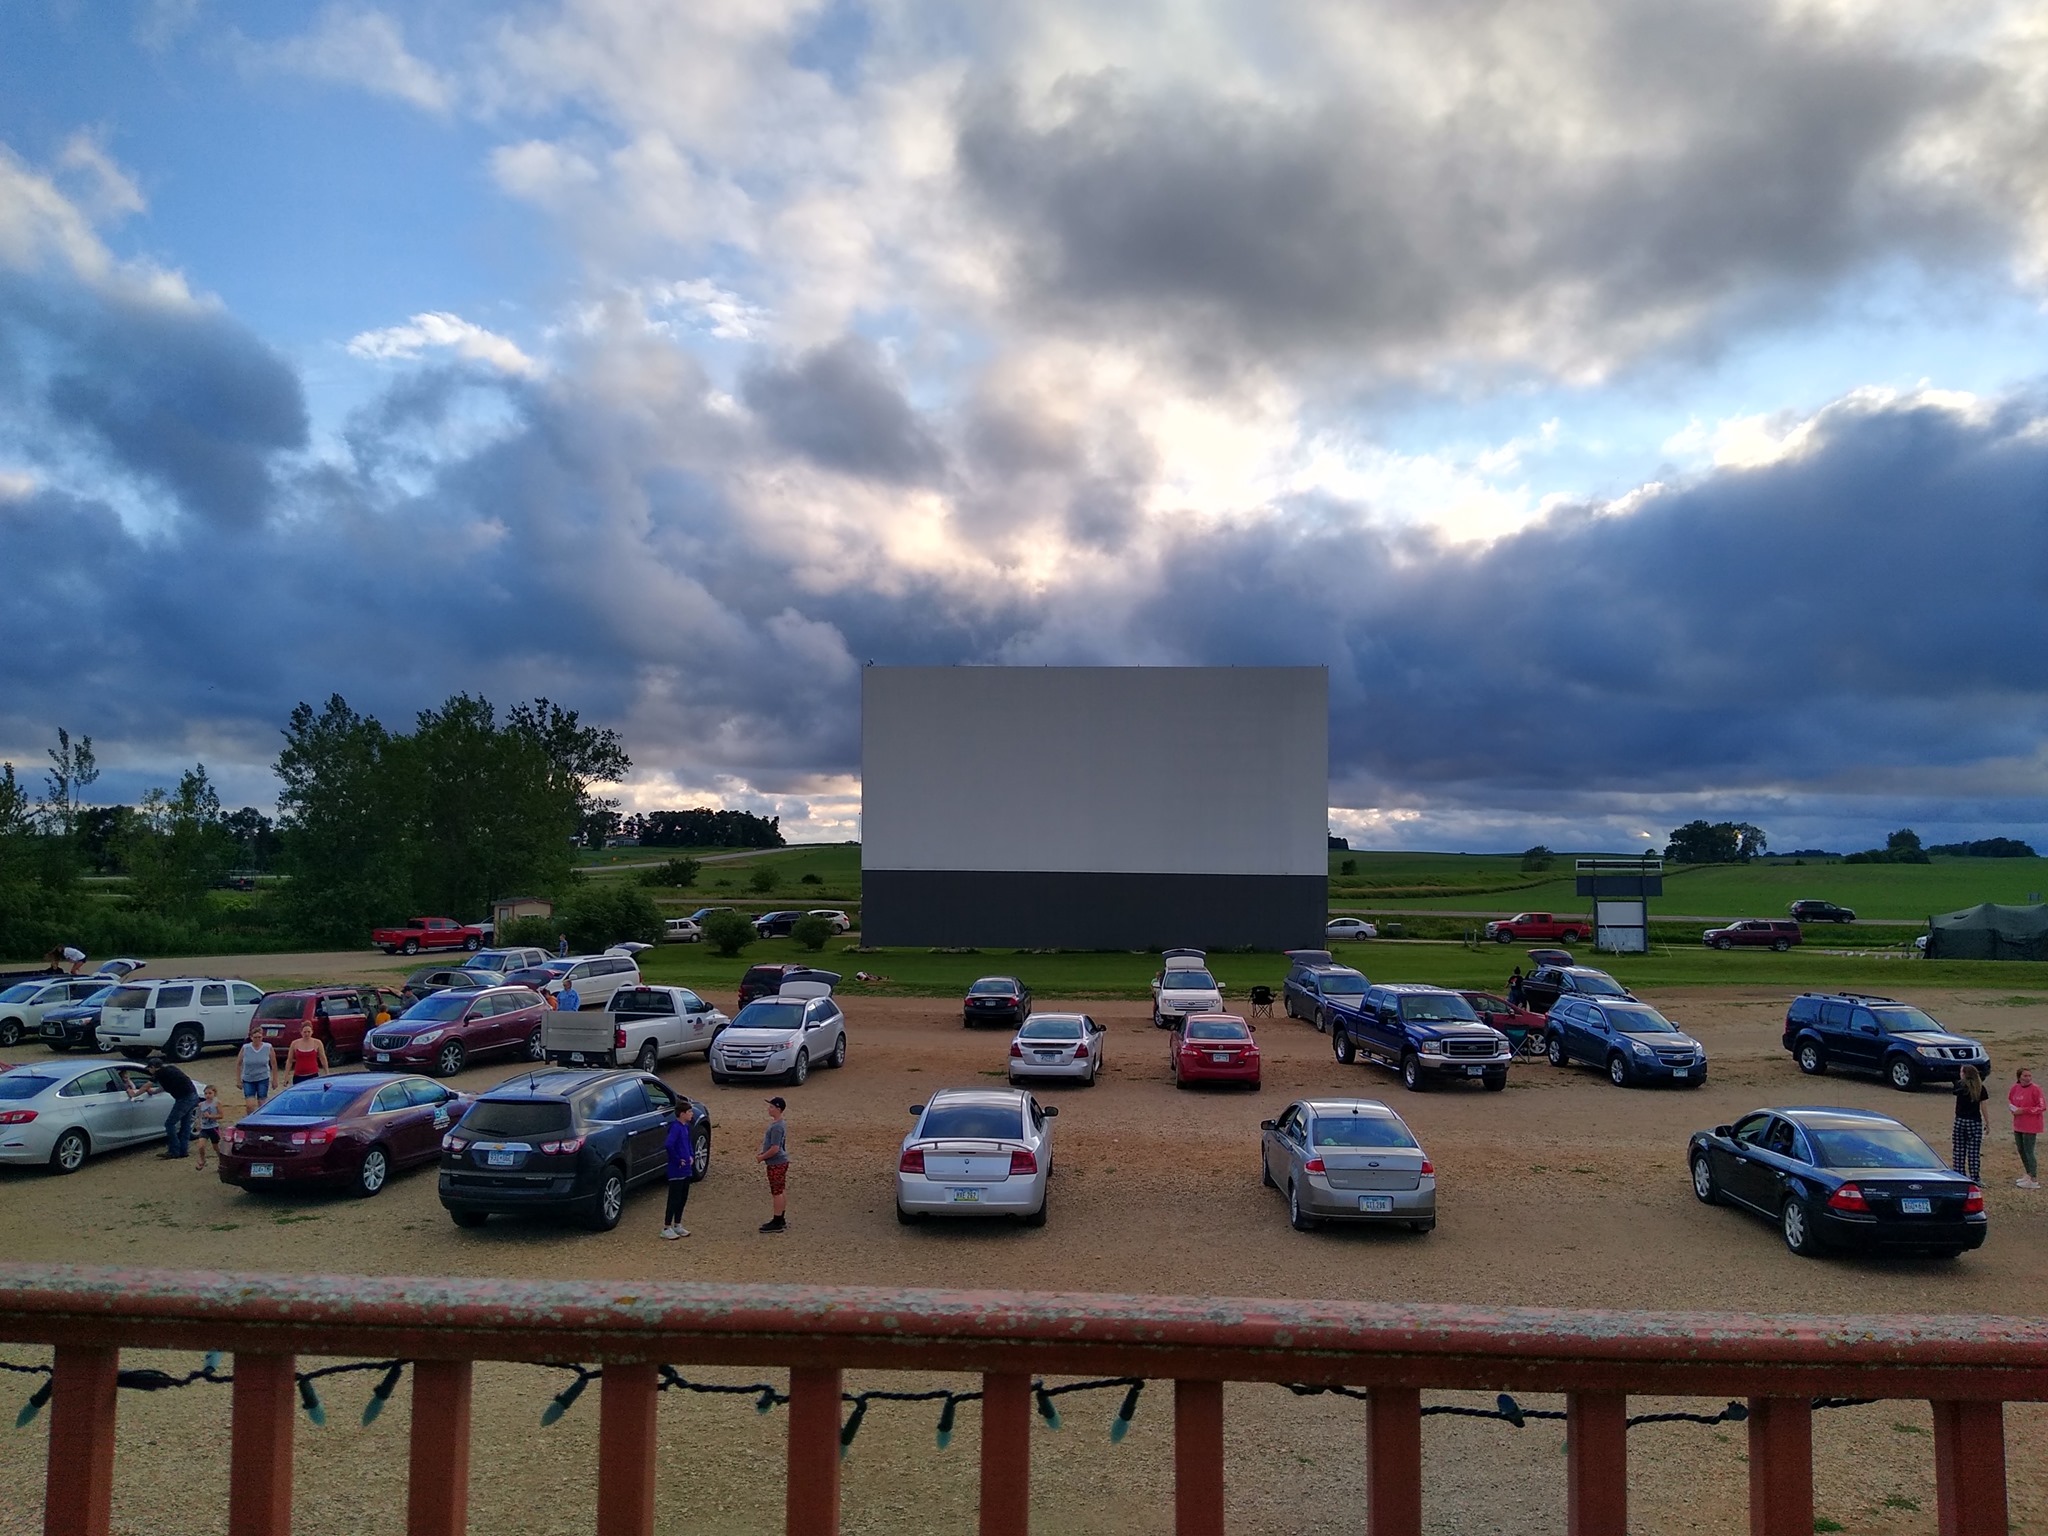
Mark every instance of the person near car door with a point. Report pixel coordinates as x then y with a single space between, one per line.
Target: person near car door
256 1066
681 1147
570 1000
2028 1104
167 1079
1516 995
774 1157
308 1055
1966 1141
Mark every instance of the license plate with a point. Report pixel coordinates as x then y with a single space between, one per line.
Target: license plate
1221 1057
262 1170
1916 1205
1047 1055
1378 1204
966 1196
1475 1071
575 1055
501 1159
1681 1071
383 1055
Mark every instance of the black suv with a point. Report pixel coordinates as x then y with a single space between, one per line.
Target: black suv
1821 912
563 1143
777 925
1866 1033
1550 982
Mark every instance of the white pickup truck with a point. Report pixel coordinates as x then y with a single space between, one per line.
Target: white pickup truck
643 1025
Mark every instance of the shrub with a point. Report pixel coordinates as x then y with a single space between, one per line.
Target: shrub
529 932
605 912
812 932
810 880
762 879
1348 867
678 874
728 933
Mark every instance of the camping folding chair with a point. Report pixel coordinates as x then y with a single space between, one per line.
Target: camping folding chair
1261 999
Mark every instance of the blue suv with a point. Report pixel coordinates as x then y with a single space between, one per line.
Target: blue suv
1865 1033
1632 1040
1315 991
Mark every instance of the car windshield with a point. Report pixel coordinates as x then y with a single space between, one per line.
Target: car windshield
319 1099
22 991
1338 984
993 986
1598 984
1360 1131
1640 1020
1189 981
280 1005
981 1122
515 1117
1051 1029
94 997
770 1014
441 1006
129 997
1877 1146
23 1085
1904 1019
1216 1029
1438 1008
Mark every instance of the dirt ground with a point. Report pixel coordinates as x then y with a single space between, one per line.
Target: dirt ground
1561 1191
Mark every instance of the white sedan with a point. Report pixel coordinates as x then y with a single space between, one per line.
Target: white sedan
1349 928
59 1113
1067 1046
976 1152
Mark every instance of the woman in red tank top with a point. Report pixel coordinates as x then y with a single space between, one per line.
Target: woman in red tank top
308 1055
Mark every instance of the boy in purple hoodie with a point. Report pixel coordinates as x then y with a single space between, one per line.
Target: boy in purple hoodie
682 1168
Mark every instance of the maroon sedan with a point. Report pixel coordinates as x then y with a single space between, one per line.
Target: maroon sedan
1519 1024
352 1130
439 1034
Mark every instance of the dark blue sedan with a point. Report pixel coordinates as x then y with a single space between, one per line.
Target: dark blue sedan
1839 1179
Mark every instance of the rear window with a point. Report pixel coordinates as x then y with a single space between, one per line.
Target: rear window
993 986
23 1085
324 1097
516 1117
642 1000
1051 1029
1361 1131
1883 1146
275 1007
1804 1010
129 997
980 1122
1340 985
1216 1029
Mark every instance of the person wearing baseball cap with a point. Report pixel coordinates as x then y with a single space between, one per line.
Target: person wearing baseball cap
774 1156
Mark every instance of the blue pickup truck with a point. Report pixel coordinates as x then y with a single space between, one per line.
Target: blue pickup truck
1424 1033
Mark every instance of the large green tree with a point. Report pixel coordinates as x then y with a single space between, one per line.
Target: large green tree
176 845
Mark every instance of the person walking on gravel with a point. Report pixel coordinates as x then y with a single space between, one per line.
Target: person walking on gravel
774 1157
1966 1141
681 1146
2028 1105
256 1066
308 1056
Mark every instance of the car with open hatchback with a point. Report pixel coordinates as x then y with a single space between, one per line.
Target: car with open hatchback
1183 986
1347 1160
23 1005
1547 983
976 1152
783 1036
1635 1043
348 1130
1061 1047
1865 1032
1315 988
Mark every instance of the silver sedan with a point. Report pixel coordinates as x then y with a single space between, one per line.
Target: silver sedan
976 1152
1347 1160
59 1113
1065 1046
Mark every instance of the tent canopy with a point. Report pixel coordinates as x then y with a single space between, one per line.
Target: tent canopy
1989 932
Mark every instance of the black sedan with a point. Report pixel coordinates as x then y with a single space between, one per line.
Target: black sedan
1839 1179
996 1000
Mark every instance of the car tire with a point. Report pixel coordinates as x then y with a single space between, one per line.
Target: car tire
1795 1225
1779 946
1617 1070
472 944
449 1059
609 1203
838 1057
1900 1074
70 1152
185 1043
1346 1052
10 1031
1504 938
410 947
800 1069
905 1218
1412 1077
1553 1047
648 1057
700 1158
1495 1082
1297 1218
1322 1022
535 1051
1570 936
1723 944
1813 1061
1093 1073
1037 1218
463 1218
1704 1189
374 1173
1265 1173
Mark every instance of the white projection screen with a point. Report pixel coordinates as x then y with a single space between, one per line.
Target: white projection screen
1094 807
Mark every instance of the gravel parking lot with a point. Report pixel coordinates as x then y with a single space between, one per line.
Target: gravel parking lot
1561 1191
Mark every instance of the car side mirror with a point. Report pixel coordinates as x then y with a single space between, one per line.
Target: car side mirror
1265 1125
1051 1111
1724 1130
917 1109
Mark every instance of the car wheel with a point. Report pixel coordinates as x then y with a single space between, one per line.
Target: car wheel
1703 1187
469 1218
1780 945
1504 938
69 1154
1723 944
649 1056
1495 1081
1796 1223
472 944
1411 1073
905 1218
375 1170
1297 1218
700 1159
1554 1049
185 1043
1157 1021
10 1031
1900 1075
1570 936
1093 1073
1617 1070
801 1068
1322 1022
609 1203
838 1056
1810 1059
535 1051
410 947
448 1061
1037 1217
1344 1048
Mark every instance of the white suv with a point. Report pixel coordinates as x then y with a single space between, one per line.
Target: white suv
180 1016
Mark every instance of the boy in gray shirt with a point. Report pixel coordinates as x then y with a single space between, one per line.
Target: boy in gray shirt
774 1156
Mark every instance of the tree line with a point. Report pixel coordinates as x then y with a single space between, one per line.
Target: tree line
699 828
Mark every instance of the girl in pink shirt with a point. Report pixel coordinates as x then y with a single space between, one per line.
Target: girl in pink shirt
2027 1103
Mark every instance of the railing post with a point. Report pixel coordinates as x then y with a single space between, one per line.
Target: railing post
1198 1458
1005 1455
1393 1462
78 1482
1596 1464
266 1410
437 1483
1780 1466
625 1450
1969 1468
812 1500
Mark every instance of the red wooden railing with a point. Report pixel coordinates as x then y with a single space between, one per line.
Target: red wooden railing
1967 1367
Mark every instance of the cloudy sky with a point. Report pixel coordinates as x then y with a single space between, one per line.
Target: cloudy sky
1641 406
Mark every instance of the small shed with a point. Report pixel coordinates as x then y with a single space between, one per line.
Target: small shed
508 908
1989 932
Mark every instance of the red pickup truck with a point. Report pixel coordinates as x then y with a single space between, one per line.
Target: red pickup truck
418 933
1538 925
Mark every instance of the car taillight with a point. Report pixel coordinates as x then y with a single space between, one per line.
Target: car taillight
1315 1165
1016 1049
1848 1198
619 1037
911 1161
232 1137
1973 1202
1428 1168
1081 1051
1022 1161
453 1143
16 1116
562 1148
319 1137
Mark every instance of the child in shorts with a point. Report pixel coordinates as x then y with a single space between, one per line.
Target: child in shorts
208 1118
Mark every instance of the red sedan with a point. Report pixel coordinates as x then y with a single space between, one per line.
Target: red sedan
1213 1048
349 1131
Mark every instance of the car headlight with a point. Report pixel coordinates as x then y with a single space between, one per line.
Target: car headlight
428 1038
1638 1047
